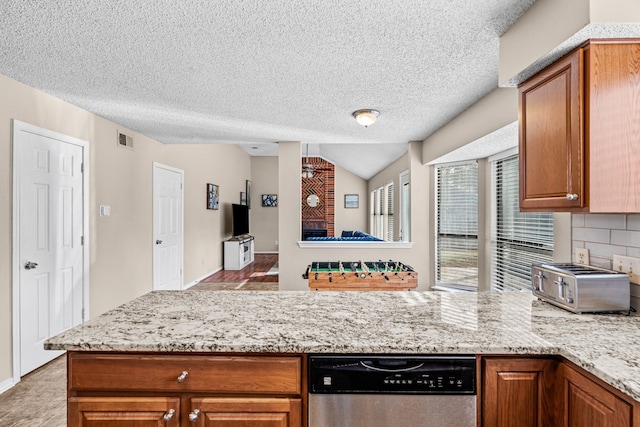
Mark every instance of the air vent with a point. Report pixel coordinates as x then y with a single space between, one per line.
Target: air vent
125 141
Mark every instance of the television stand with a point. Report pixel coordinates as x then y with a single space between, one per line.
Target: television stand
238 252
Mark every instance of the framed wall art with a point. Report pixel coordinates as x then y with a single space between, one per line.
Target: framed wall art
213 197
243 198
270 200
351 201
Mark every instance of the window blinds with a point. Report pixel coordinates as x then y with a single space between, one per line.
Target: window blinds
457 224
518 239
389 218
382 212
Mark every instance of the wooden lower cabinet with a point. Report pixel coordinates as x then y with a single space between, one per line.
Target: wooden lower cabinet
249 412
587 404
123 411
173 390
548 392
518 392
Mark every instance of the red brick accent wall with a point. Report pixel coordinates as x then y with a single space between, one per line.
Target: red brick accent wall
322 185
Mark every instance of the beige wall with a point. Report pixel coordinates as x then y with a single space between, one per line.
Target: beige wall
549 23
294 259
391 174
227 166
264 221
496 110
349 219
290 212
120 245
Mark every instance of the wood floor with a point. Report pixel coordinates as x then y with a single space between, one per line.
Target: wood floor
254 272
261 274
39 399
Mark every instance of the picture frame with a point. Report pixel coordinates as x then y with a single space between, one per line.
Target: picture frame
270 200
248 191
351 201
213 197
243 198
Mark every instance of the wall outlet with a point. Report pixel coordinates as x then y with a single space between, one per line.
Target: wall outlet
629 265
582 256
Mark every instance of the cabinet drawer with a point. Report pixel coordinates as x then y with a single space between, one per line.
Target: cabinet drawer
224 374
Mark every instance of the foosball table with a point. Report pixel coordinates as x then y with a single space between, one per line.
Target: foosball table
361 276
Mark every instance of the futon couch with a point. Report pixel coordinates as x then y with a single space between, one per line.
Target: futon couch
347 236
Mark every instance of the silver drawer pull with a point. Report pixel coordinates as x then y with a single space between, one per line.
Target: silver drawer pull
183 376
169 415
193 416
572 196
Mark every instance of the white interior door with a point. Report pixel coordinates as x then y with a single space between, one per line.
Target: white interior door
167 227
50 236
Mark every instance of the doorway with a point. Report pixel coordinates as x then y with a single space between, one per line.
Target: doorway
168 227
50 241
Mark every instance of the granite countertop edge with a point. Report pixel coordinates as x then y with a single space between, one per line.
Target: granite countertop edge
344 322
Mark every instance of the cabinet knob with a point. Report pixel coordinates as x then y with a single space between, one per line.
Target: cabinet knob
572 196
183 376
169 415
193 416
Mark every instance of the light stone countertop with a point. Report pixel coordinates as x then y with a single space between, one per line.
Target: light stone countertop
608 345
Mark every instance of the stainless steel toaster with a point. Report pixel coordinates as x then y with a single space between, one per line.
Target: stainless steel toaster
581 288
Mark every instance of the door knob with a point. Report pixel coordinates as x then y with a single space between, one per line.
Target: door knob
158 242
30 265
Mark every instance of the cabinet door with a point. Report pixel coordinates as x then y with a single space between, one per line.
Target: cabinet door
246 412
551 152
518 392
124 411
586 404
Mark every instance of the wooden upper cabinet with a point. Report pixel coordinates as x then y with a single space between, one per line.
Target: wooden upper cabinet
580 131
551 140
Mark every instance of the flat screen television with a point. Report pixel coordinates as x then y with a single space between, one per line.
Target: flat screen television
240 219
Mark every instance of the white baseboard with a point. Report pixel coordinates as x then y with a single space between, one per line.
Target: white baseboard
195 282
6 385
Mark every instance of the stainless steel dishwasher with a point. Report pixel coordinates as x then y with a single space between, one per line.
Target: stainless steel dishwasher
389 391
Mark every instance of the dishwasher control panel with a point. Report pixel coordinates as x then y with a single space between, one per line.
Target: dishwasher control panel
392 374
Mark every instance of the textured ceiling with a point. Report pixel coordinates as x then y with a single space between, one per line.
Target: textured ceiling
257 72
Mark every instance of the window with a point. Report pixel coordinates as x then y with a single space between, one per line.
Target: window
457 224
518 239
381 220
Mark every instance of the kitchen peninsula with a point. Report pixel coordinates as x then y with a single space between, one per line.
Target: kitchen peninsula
283 327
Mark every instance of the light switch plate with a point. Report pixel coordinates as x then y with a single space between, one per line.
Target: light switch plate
105 210
582 256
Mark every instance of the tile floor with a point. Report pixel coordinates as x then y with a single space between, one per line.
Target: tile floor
39 399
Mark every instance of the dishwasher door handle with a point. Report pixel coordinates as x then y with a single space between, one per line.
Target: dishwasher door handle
375 368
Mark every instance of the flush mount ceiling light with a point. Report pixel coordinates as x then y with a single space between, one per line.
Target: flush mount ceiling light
366 117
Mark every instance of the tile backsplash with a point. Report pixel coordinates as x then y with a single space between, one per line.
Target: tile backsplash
606 235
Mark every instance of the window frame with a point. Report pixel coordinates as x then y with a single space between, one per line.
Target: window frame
464 284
